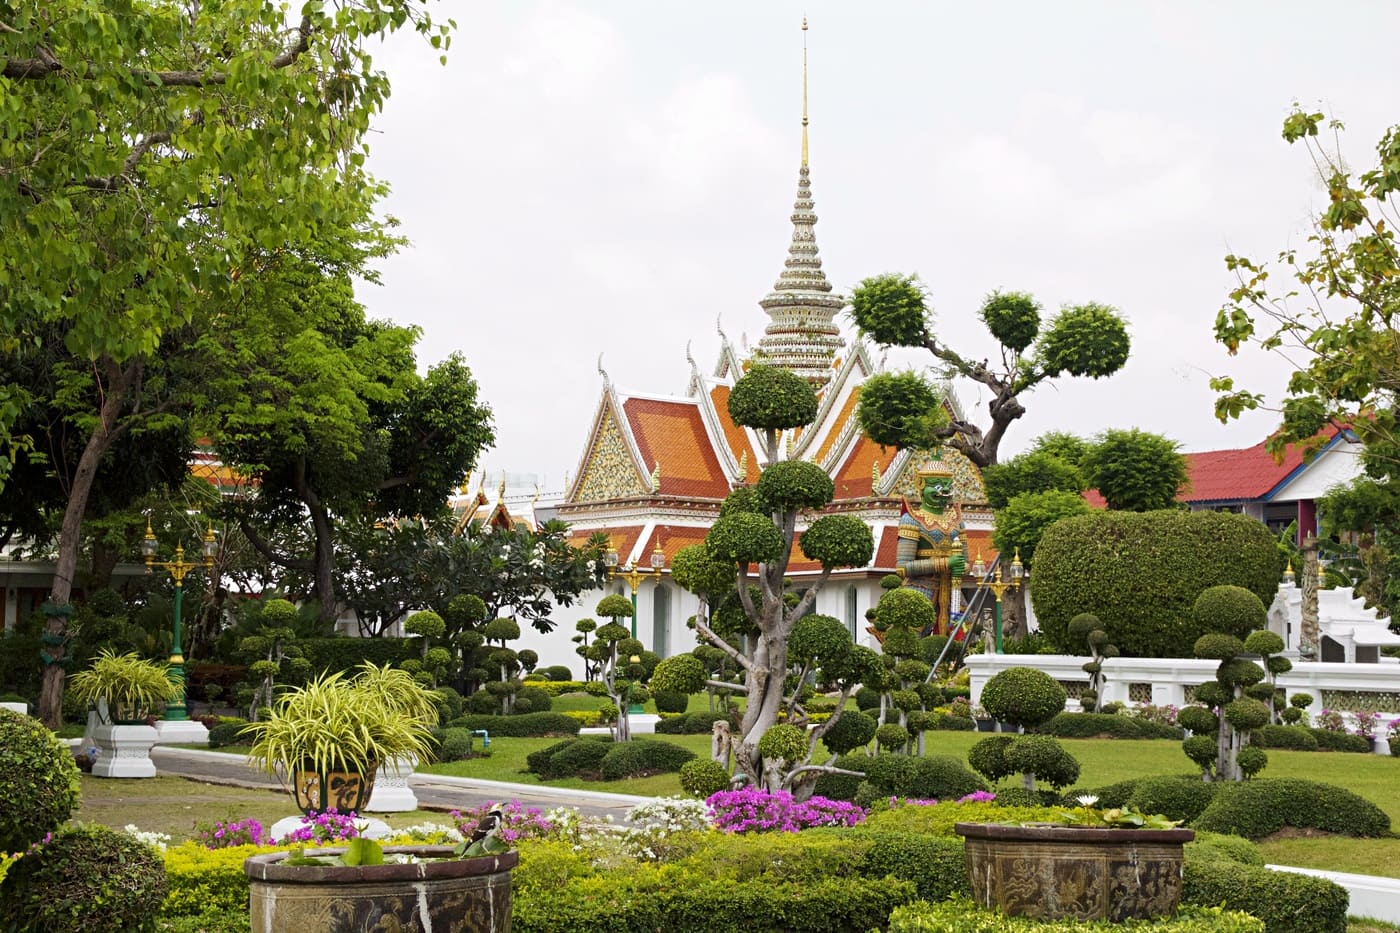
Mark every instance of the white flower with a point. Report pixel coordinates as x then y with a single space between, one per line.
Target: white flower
1087 800
153 839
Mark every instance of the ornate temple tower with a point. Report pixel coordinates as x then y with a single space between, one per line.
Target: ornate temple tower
801 335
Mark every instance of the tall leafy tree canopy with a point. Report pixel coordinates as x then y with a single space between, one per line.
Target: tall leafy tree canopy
901 409
152 153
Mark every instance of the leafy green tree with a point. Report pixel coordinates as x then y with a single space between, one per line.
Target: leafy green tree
900 410
1335 318
1024 520
1030 472
1135 471
759 527
153 157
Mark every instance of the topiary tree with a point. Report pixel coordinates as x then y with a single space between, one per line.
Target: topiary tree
759 527
611 645
1142 572
1233 610
1269 645
1134 470
1087 629
41 782
1023 696
1238 714
905 410
584 627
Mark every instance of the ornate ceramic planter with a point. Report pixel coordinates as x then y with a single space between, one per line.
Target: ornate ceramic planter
320 790
470 895
1049 872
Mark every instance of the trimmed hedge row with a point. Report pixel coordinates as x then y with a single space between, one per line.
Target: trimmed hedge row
933 777
691 723
1105 725
343 653
1297 738
1286 902
1327 740
1257 808
640 757
1176 798
962 916
525 725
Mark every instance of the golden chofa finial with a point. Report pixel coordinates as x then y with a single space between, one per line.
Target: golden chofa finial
804 90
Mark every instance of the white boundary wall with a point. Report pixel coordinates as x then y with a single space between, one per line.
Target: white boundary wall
1169 677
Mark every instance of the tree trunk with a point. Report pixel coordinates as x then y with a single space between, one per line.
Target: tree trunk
104 563
323 586
70 540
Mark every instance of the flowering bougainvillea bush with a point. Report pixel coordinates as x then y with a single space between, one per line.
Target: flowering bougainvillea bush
517 821
223 835
749 811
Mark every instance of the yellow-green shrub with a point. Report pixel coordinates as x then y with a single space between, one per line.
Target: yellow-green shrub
207 880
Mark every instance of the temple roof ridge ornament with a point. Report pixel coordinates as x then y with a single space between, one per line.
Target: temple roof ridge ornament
802 335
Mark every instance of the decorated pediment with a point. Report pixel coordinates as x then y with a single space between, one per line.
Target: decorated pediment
610 472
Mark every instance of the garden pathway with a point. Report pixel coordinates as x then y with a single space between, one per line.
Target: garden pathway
434 791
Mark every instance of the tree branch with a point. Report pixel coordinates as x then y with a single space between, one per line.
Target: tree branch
261 545
724 646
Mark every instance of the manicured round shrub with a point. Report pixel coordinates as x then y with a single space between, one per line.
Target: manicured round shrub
1081 625
744 537
1220 847
988 757
1263 642
1255 809
1246 714
1143 571
1301 700
226 734
905 607
852 731
1201 749
867 699
842 786
1233 610
1291 737
891 736
703 777
668 701
681 673
1176 798
794 484
772 398
581 758
785 742
692 723
940 777
1023 696
1110 795
557 672
455 745
87 879
1239 672
1213 694
1044 757
1219 646
1251 760
40 780
536 700
537 762
641 757
1091 726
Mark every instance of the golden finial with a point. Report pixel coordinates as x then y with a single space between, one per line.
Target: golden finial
501 490
875 475
744 464
656 478
804 90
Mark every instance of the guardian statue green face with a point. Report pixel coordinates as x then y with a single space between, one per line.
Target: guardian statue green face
938 491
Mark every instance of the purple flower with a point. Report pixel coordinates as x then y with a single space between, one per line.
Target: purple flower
978 796
517 821
749 810
235 833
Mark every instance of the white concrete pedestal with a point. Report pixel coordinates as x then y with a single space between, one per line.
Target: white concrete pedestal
369 828
124 751
21 708
183 732
391 792
1381 746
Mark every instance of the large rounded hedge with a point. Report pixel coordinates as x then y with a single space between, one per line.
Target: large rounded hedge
87 879
772 398
1140 573
1230 609
41 781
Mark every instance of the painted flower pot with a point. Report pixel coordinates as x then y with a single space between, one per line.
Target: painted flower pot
1050 872
470 895
347 791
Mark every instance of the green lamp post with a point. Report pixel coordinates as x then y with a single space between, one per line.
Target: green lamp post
998 586
634 575
176 711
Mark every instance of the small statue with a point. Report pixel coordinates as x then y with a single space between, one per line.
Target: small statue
932 549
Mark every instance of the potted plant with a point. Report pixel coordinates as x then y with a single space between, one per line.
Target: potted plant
362 885
124 689
130 688
327 740
1114 864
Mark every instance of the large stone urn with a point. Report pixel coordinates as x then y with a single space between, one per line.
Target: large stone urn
1049 872
470 895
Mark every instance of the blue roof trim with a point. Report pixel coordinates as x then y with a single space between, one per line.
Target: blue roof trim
1302 467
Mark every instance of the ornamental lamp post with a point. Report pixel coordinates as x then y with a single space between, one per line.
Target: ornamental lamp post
635 575
998 586
176 711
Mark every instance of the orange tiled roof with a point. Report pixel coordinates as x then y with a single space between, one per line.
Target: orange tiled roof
735 436
853 480
673 539
673 434
1235 475
885 548
834 432
622 538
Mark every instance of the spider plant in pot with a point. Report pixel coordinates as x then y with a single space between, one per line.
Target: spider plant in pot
130 686
328 738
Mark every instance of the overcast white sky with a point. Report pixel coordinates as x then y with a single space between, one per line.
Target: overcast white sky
611 177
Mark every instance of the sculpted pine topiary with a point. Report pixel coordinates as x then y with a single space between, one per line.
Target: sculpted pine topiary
1239 714
1087 629
1026 698
41 781
753 623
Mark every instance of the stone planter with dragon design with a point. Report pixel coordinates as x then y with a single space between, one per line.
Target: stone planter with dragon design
1053 871
438 892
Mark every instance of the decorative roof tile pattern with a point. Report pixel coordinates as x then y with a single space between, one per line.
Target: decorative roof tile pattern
838 424
1239 475
735 436
853 480
610 472
673 434
673 539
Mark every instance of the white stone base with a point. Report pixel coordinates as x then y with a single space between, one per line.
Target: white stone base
124 751
183 732
1382 747
21 708
391 792
369 828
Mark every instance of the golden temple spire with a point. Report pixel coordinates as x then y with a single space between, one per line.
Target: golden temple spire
804 90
